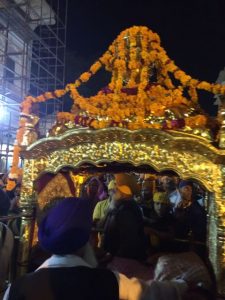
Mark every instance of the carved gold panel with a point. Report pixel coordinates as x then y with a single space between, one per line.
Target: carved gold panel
189 156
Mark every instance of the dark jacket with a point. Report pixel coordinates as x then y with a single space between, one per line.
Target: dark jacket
124 231
4 203
80 283
192 219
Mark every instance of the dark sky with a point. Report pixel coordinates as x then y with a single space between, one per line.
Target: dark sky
192 32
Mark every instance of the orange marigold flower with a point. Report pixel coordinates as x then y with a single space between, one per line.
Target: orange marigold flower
85 76
95 67
60 93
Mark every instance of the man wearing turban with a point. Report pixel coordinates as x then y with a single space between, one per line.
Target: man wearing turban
190 214
102 206
124 226
169 185
71 272
160 225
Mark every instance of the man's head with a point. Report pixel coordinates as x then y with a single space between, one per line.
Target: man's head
92 187
146 190
124 186
161 203
168 183
66 227
186 189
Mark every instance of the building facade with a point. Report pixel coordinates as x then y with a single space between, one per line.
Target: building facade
32 61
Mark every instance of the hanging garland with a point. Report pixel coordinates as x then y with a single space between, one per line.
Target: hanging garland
133 99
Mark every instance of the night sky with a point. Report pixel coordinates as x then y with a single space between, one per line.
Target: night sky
192 32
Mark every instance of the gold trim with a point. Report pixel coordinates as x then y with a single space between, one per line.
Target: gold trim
80 136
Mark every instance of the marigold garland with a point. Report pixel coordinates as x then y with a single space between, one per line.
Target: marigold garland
140 91
131 58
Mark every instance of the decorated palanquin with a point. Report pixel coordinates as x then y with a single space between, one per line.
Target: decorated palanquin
148 115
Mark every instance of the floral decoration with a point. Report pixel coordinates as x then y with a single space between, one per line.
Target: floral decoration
142 93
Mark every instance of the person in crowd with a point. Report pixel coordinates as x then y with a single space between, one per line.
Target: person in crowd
95 190
199 194
4 203
6 248
2 181
71 270
14 202
102 207
99 214
146 199
14 210
169 185
11 193
124 227
106 178
37 254
191 218
160 225
65 232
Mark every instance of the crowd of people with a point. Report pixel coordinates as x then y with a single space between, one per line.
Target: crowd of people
9 227
112 242
9 200
171 212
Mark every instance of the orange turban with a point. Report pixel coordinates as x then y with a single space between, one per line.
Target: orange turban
126 183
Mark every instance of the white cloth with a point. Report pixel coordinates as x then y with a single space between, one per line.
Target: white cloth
174 198
58 261
201 201
187 266
167 290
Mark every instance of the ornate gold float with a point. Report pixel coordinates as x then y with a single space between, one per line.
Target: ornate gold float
148 115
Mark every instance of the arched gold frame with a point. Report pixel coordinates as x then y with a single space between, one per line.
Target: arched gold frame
188 155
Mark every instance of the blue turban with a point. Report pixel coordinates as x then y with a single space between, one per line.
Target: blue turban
185 183
67 226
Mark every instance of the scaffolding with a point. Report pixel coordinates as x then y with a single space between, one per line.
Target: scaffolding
32 61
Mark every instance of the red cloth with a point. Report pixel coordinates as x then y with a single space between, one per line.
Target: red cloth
42 182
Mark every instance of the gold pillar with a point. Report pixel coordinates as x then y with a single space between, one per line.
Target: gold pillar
25 240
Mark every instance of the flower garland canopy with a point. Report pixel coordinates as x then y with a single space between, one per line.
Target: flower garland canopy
145 87
147 90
